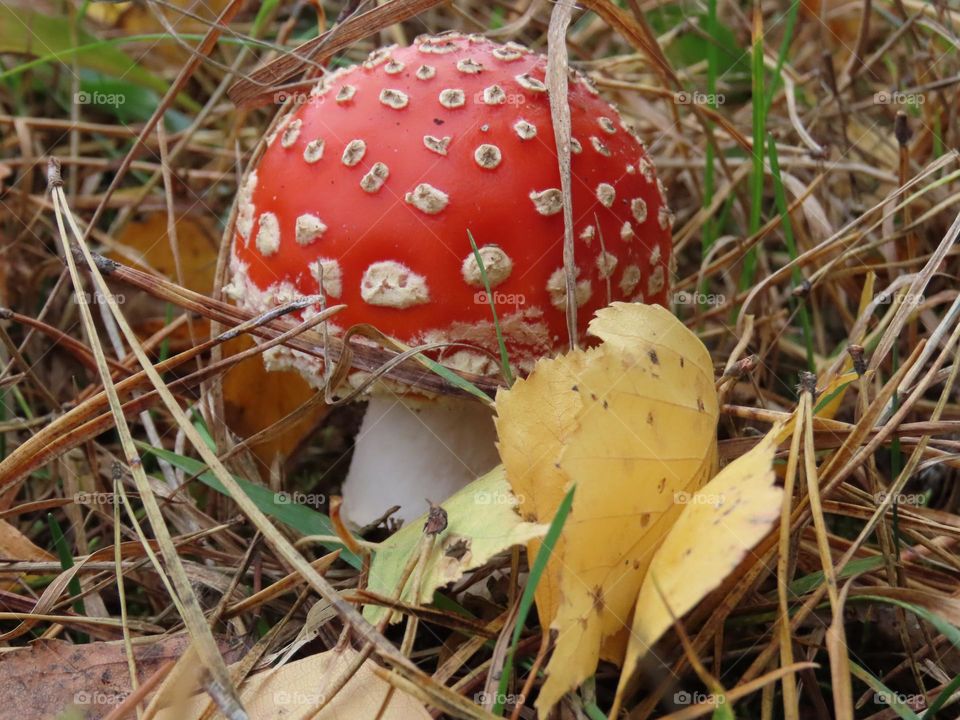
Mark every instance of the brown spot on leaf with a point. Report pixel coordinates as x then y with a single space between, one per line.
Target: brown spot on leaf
652 354
597 594
457 549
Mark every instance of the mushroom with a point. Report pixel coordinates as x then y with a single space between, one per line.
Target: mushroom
366 193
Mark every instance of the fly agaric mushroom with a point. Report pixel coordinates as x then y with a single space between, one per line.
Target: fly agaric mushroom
366 193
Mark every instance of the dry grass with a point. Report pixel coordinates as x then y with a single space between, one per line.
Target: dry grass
817 220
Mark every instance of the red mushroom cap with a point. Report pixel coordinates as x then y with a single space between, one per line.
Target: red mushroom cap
374 181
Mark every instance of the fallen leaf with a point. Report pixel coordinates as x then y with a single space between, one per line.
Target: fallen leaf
481 522
145 244
14 545
293 689
48 676
530 446
719 525
141 19
255 398
632 423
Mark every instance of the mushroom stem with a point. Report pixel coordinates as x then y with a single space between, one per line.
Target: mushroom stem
410 450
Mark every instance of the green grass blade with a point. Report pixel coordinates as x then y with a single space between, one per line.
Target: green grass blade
710 226
593 712
780 196
504 357
526 600
949 690
889 697
24 31
65 557
946 629
782 54
759 133
826 399
301 518
807 583
66 562
452 377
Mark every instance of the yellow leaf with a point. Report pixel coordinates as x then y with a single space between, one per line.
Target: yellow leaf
293 689
632 423
719 525
481 522
530 446
145 245
255 398
107 13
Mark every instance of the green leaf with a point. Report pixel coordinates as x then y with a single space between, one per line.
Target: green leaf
481 522
29 32
127 102
301 518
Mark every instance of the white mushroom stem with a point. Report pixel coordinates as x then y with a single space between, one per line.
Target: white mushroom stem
410 450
